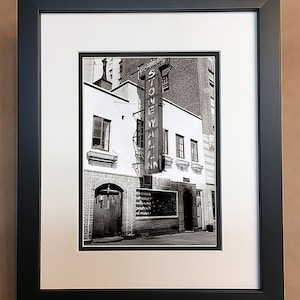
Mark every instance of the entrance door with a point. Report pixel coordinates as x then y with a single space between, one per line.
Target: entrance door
188 210
107 211
199 197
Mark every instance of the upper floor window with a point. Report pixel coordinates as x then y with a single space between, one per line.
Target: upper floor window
194 150
179 146
101 130
165 142
140 133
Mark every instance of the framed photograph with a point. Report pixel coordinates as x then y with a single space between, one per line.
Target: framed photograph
149 150
162 191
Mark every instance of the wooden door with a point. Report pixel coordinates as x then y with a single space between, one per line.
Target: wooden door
199 197
107 213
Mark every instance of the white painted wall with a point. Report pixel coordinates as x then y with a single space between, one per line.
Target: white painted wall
179 121
122 127
99 102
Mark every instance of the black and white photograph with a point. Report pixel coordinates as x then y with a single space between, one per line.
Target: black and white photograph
148 152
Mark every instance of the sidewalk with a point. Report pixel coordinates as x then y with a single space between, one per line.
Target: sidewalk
186 238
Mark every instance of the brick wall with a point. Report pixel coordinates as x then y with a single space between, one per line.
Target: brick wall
183 81
128 184
206 81
156 226
182 187
188 81
131 224
152 226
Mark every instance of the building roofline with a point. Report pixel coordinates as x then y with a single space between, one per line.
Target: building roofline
126 100
105 91
180 107
125 82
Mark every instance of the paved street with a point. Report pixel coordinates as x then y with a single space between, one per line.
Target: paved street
187 238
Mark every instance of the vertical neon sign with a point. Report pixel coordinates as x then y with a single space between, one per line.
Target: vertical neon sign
153 121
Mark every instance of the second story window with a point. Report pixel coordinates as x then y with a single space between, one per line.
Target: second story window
165 142
101 129
140 133
194 150
179 146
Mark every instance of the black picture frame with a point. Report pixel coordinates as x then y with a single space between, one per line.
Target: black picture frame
269 145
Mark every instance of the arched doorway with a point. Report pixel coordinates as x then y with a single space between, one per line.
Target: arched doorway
188 210
107 220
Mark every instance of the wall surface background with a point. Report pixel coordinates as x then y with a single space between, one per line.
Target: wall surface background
290 64
290 43
8 130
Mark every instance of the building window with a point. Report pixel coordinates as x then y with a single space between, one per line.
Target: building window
140 133
194 150
165 142
179 146
101 129
213 200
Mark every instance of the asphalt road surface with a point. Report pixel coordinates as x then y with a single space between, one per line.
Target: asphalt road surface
202 238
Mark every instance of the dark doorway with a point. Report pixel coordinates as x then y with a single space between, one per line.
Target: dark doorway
188 210
107 211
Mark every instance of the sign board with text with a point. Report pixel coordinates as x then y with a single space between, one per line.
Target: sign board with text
154 203
153 122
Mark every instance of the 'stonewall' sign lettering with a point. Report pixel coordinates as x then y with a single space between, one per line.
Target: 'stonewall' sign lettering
153 121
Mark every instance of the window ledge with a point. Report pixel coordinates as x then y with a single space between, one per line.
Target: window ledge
168 161
182 164
102 159
197 168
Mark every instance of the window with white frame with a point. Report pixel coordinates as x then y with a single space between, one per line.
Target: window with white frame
194 150
101 131
165 142
140 133
179 146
